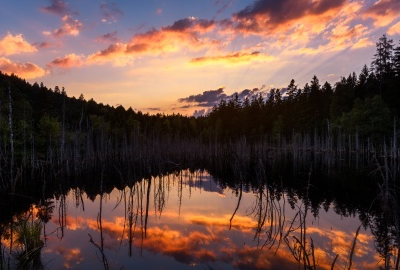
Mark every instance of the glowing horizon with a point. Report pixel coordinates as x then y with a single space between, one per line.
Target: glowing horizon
165 56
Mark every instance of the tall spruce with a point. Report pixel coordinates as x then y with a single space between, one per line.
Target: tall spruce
383 59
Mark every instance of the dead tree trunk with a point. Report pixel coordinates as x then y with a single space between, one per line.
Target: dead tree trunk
11 135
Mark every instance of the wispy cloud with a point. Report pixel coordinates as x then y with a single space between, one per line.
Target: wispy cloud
231 58
45 45
10 45
108 38
110 12
223 5
394 29
25 70
383 12
154 109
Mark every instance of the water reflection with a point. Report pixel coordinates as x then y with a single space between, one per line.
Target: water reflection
189 219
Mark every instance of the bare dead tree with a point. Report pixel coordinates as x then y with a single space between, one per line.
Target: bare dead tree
11 136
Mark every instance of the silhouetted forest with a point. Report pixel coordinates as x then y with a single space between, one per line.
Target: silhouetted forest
44 129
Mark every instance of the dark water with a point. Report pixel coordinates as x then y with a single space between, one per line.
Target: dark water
189 220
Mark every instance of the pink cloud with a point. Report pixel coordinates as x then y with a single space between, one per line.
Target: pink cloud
70 27
182 34
10 45
25 70
68 61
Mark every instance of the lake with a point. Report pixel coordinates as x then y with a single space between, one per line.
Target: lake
189 219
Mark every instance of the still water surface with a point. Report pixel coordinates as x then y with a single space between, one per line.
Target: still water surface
187 221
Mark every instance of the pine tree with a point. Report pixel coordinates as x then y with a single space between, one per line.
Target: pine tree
383 59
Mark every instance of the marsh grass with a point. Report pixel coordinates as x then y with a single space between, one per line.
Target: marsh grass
28 255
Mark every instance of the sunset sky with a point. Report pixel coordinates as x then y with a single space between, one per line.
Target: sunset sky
183 56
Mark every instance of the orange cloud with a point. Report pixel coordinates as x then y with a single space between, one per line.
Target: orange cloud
244 224
343 36
394 29
70 27
185 34
15 45
72 256
115 53
24 70
383 12
68 61
362 43
232 58
187 249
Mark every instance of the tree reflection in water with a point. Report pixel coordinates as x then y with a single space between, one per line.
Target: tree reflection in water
282 219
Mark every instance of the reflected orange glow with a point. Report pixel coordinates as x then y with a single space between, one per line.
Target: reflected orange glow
201 234
193 247
72 256
244 224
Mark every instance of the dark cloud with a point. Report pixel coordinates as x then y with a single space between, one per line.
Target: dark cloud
153 109
198 113
111 12
206 99
109 37
210 98
57 7
384 7
254 93
44 45
268 14
189 23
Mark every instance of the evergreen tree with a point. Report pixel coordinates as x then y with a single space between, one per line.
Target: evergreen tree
382 63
